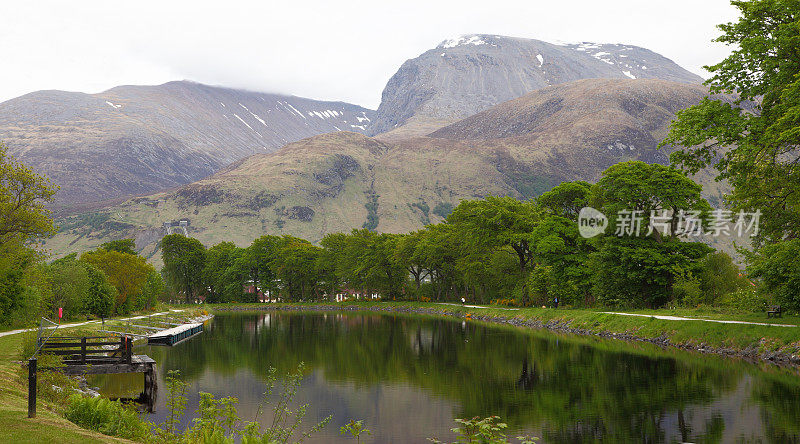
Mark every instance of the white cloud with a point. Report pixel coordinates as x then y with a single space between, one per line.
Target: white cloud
319 49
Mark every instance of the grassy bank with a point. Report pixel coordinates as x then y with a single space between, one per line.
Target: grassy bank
773 343
49 426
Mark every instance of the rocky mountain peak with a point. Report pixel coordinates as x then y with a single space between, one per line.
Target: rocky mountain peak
470 73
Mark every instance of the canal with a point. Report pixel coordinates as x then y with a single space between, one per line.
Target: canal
407 377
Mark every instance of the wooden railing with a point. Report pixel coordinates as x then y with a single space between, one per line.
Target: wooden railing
90 350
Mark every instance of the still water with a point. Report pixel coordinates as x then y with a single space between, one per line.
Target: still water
407 377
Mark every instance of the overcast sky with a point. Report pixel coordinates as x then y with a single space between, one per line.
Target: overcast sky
333 50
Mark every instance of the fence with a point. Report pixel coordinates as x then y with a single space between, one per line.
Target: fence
89 350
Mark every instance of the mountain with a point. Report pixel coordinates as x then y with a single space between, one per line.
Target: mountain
469 74
140 139
343 180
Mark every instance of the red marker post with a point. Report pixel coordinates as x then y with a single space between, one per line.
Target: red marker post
60 313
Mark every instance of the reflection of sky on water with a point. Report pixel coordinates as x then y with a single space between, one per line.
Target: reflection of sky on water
413 376
385 404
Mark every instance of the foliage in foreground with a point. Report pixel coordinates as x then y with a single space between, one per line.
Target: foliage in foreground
108 417
355 429
483 431
216 421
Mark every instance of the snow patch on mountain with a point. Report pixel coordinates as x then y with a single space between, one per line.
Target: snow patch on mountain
463 40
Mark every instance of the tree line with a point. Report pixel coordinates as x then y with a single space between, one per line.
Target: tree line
496 249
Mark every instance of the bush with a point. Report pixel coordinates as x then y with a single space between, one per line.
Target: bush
778 266
485 431
505 301
719 276
108 417
686 291
101 297
745 299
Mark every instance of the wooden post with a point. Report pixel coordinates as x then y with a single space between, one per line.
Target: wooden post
83 350
32 388
129 354
150 387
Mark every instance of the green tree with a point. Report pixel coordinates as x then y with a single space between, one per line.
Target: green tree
258 259
365 260
640 272
778 267
224 274
637 186
753 142
126 272
566 199
23 216
407 255
718 277
101 295
23 195
69 283
331 261
295 264
153 290
558 246
121 245
184 261
19 302
438 251
495 222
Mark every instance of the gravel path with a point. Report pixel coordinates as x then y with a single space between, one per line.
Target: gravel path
679 318
78 324
667 317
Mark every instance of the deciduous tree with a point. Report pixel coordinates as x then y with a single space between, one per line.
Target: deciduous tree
753 143
184 260
126 272
23 195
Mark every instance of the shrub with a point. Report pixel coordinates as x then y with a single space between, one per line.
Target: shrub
778 266
108 417
745 299
687 292
505 301
719 276
355 429
484 431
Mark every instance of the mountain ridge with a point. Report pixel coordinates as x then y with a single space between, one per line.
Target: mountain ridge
132 140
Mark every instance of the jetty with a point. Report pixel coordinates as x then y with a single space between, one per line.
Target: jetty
100 355
110 354
156 331
175 335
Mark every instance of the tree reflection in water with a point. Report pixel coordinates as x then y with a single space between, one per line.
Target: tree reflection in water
413 374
